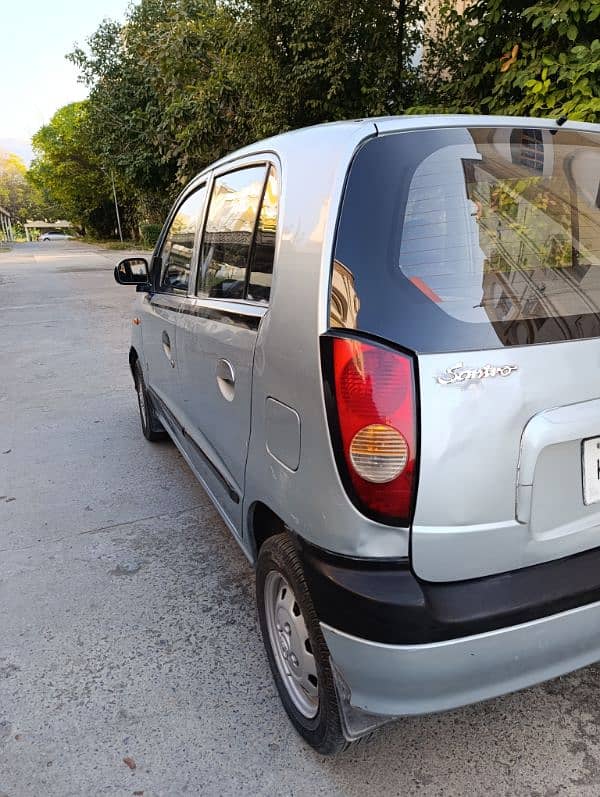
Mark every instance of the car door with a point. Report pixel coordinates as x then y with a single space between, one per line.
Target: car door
160 309
219 327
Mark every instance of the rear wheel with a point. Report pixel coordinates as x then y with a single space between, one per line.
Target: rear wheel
151 426
297 652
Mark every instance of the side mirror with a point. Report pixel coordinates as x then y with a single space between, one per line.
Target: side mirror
132 271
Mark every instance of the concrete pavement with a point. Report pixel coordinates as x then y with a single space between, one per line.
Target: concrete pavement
127 620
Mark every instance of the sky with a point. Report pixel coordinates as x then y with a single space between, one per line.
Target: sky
35 77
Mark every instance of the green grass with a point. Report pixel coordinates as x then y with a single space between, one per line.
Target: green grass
109 243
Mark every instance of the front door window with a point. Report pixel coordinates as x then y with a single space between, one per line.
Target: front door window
178 247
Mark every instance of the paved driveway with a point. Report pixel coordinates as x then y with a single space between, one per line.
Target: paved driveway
127 622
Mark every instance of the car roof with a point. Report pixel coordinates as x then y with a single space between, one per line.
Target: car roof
331 134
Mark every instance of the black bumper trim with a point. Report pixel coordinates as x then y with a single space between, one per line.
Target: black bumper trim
386 602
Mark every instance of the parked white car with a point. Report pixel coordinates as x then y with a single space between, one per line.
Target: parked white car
55 236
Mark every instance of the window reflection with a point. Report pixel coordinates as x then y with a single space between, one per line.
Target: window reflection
527 148
344 305
178 247
228 234
507 228
263 255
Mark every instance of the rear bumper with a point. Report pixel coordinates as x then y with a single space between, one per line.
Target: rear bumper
377 682
386 602
400 645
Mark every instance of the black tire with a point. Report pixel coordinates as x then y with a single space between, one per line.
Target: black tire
323 731
152 428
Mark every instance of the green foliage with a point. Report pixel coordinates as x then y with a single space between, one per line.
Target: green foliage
309 61
69 172
16 195
115 244
517 58
150 233
182 82
161 97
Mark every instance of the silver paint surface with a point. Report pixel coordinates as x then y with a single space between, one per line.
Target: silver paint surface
283 433
401 680
472 513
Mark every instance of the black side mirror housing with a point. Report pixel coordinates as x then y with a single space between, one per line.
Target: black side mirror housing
132 271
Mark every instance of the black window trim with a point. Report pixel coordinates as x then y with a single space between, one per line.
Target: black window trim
227 168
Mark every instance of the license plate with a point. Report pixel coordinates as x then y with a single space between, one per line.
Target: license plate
591 470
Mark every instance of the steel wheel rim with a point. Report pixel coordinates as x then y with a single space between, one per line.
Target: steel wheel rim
291 644
142 403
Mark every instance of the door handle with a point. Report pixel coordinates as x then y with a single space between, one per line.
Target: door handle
225 371
166 343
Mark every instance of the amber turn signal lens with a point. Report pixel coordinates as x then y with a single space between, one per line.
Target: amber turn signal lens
378 453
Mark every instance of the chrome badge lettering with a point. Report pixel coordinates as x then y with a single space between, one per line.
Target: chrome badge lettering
458 373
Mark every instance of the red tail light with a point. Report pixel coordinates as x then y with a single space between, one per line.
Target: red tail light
373 415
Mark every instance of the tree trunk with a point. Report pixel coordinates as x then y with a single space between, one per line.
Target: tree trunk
400 24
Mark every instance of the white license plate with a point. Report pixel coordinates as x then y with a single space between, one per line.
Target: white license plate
591 470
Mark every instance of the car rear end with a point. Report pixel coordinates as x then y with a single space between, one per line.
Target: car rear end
461 380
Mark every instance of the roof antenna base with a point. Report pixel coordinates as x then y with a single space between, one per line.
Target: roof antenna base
560 122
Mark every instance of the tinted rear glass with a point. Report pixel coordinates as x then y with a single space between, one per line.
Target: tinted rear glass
467 238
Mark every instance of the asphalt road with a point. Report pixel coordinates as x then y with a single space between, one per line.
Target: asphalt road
127 620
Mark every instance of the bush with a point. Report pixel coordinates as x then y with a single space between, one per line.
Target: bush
150 233
538 59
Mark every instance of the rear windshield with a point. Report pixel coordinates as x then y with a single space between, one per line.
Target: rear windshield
465 238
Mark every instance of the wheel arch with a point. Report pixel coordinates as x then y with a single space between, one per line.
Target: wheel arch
262 523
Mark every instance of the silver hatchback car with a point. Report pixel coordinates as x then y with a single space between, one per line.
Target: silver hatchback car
375 343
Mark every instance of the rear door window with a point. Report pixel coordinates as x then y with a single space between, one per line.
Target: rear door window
470 238
229 232
263 251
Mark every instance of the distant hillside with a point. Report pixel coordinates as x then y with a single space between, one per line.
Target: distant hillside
19 146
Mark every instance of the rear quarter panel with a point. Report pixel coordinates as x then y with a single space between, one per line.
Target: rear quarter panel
311 500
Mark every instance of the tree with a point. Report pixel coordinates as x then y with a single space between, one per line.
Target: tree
182 82
310 61
505 56
68 171
16 195
124 115
161 104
